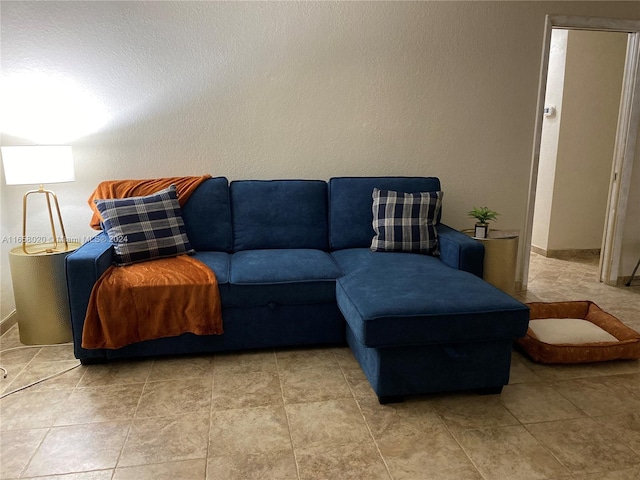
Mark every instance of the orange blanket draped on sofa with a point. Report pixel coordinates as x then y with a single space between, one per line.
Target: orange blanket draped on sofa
185 186
154 299
159 298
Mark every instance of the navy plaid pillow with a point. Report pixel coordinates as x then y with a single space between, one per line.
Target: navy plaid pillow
144 228
405 222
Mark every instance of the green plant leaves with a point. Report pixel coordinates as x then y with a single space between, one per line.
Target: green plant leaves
483 214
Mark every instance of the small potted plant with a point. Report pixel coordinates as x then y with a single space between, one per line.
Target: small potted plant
483 215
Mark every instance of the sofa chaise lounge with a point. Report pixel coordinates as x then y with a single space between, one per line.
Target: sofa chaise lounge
294 267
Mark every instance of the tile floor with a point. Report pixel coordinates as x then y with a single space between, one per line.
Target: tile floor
310 414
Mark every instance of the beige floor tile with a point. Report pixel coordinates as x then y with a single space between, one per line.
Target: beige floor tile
101 404
94 475
538 402
328 423
166 439
16 449
509 453
183 470
34 372
521 371
415 443
27 409
395 421
359 384
79 448
619 367
119 372
632 473
248 431
345 357
553 373
433 454
177 368
632 320
627 428
299 358
354 461
13 370
313 384
470 410
175 397
631 382
253 361
16 352
273 465
584 445
245 389
11 338
55 354
599 396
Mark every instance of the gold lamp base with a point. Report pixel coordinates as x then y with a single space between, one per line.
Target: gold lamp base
44 247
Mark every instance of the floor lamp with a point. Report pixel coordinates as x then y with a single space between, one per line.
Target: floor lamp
37 165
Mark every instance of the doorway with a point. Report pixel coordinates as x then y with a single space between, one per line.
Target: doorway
582 103
614 186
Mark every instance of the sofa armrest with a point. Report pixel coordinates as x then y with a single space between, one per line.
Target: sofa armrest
460 251
84 267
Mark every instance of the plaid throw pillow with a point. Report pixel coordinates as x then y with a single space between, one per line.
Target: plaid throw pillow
405 222
144 228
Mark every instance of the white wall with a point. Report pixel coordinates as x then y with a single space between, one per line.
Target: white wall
306 90
591 102
631 236
549 140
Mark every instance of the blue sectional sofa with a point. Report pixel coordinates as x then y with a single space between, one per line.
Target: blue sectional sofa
294 267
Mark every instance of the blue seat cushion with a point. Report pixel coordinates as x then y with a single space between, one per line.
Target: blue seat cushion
392 299
279 214
220 263
282 277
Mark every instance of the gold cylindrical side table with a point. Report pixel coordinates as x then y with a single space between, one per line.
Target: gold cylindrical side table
40 290
500 258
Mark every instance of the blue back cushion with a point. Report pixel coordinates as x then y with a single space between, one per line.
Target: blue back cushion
279 214
350 205
207 216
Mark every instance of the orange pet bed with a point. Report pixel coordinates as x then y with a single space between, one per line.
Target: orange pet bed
577 332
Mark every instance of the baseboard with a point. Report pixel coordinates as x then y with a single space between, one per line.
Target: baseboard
567 254
622 281
538 250
8 322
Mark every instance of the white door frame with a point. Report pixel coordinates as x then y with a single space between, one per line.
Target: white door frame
626 137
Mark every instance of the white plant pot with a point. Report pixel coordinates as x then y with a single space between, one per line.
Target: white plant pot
481 230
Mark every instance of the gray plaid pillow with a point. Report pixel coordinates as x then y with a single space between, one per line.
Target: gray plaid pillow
144 228
405 222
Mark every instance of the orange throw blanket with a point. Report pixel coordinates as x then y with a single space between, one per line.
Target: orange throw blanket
185 186
160 298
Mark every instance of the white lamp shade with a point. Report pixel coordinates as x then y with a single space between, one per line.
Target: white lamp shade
37 164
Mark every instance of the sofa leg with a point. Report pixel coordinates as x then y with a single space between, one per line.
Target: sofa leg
384 399
490 390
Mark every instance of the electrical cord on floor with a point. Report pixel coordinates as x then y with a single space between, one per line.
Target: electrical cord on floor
37 381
